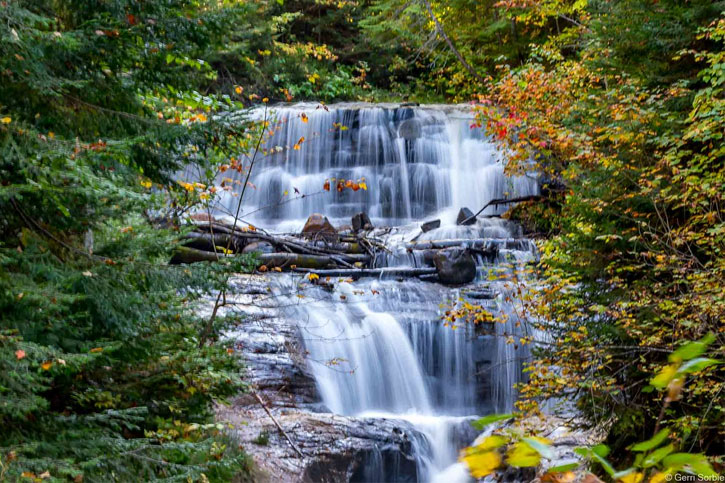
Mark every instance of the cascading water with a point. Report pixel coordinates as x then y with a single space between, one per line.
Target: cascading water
378 347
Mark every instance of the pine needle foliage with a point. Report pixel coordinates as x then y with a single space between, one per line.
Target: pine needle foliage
102 374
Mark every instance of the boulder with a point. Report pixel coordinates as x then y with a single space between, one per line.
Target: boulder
465 214
318 224
361 221
260 246
430 225
455 266
410 129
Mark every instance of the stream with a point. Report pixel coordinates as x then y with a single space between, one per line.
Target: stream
376 350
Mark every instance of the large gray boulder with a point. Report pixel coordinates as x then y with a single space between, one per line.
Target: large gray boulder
455 266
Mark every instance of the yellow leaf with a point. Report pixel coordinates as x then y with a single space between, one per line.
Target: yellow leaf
523 456
146 184
363 185
303 116
238 89
482 464
632 478
313 276
492 442
46 366
97 349
265 100
6 120
27 474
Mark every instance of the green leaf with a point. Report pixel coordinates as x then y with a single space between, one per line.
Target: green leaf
490 419
697 365
620 474
652 443
692 349
601 450
605 464
540 447
697 462
657 455
564 468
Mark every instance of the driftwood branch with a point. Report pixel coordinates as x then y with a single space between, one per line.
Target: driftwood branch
451 45
482 244
371 272
279 426
501 201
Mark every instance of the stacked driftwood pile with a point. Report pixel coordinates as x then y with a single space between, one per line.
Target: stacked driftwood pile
326 251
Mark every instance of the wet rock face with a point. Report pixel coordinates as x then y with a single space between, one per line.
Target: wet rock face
465 217
455 266
334 449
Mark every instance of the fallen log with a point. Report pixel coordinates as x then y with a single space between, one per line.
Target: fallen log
193 255
284 260
370 272
485 244
297 245
207 241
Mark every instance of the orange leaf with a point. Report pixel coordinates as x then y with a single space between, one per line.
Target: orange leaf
97 349
326 186
263 268
304 118
46 366
19 354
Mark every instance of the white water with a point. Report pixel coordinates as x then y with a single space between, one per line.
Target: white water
378 348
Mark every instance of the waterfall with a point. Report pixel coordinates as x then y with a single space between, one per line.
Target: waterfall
379 347
416 162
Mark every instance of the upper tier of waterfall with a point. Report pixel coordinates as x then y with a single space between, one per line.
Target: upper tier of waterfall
417 163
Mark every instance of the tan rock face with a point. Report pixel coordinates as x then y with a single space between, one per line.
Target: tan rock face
318 224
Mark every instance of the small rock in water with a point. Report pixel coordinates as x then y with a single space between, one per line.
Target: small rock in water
318 224
430 225
465 217
261 247
361 221
455 266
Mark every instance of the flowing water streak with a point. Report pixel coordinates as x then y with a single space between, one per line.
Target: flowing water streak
379 347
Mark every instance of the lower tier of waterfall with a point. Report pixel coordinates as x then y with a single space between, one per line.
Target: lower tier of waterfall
379 351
